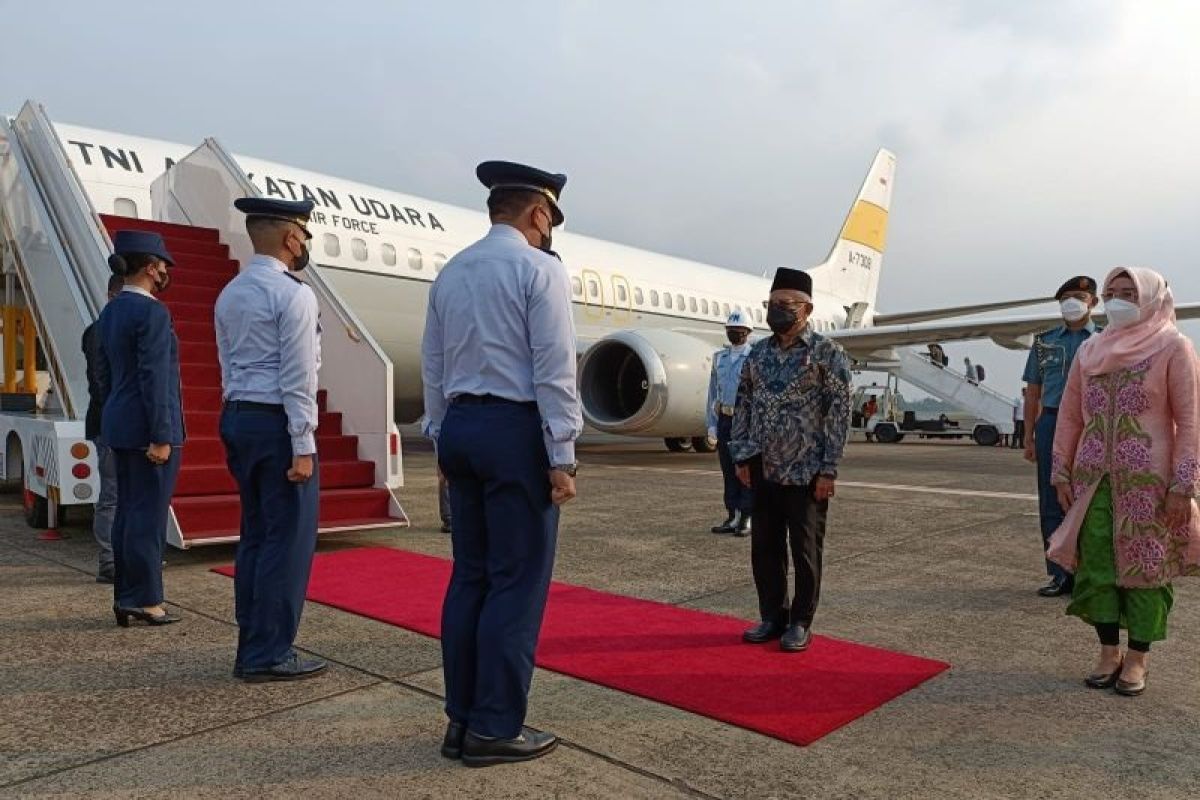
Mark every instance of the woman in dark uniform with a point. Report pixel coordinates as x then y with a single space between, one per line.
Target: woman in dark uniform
142 421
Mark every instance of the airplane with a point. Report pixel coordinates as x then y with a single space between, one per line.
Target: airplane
647 324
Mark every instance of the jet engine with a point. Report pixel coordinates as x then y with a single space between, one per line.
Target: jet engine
646 383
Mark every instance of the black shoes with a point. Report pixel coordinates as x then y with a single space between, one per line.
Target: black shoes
294 668
1056 588
1130 688
452 742
480 751
123 616
727 526
764 631
1102 680
742 526
796 639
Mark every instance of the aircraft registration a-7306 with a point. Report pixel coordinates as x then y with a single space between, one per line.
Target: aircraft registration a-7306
647 323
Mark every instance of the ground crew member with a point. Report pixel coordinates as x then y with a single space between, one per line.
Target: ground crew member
789 431
498 364
722 394
1045 377
268 341
142 421
106 502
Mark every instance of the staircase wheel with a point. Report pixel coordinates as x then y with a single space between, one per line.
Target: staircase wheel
887 434
986 436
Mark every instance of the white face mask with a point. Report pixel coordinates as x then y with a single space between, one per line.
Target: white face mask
1121 313
1073 309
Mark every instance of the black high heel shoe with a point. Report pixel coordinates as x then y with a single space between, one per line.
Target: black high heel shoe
124 614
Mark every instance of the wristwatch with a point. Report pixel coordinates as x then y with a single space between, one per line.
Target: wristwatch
569 469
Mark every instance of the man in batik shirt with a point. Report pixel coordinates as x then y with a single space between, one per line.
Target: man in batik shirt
789 430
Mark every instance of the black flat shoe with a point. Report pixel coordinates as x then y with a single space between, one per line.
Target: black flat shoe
742 528
294 668
763 632
1054 589
480 751
123 616
796 639
452 742
1130 688
1100 680
726 526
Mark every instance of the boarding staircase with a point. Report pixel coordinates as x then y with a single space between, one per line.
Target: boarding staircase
952 387
64 246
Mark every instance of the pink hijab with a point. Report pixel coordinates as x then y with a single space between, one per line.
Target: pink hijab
1119 348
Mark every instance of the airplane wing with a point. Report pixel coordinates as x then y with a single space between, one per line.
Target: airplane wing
929 314
1015 333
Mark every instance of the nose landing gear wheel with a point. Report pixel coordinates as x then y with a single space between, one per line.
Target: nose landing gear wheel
678 445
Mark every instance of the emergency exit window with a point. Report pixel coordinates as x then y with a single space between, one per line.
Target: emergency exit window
124 207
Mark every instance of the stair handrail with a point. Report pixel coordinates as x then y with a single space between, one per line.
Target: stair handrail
963 376
199 190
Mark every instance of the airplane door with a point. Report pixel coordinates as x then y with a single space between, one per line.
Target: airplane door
593 294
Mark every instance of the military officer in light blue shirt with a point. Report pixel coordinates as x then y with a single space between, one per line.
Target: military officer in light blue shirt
722 397
498 365
268 341
1045 377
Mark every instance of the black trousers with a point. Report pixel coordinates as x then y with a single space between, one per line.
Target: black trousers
786 515
738 497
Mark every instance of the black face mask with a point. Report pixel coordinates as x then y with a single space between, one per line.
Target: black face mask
162 281
301 261
781 319
547 238
736 337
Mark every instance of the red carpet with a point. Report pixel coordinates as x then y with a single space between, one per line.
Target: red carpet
688 659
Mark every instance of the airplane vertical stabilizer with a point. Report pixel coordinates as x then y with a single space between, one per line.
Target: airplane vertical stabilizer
851 272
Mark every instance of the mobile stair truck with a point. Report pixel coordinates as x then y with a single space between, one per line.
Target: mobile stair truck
55 251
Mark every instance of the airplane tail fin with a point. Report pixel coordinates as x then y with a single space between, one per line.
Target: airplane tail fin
851 272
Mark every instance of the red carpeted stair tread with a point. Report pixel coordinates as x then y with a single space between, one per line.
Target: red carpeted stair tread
203 516
169 230
196 478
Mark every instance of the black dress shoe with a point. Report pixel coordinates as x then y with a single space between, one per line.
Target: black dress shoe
764 631
294 668
123 616
452 742
480 751
726 526
796 639
1055 589
742 526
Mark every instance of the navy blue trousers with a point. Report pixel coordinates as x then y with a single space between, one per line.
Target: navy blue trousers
139 529
1049 510
278 536
505 531
738 496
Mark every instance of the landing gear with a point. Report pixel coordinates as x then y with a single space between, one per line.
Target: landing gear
703 444
678 445
887 433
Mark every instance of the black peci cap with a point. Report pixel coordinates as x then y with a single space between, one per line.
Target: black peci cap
787 278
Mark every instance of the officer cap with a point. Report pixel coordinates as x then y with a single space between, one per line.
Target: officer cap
786 278
1080 283
738 319
129 242
497 175
297 211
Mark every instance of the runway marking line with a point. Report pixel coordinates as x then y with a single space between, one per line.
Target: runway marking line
896 487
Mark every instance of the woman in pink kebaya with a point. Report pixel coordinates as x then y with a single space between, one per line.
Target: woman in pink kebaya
1126 472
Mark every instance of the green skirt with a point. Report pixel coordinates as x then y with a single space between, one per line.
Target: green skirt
1097 598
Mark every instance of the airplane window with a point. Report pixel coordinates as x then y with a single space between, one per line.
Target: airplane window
692 304
758 314
725 308
703 306
716 308
679 300
359 248
667 301
389 254
622 295
414 259
332 246
593 289
577 287
439 261
124 207
654 297
638 297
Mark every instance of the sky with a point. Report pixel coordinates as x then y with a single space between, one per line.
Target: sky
1035 139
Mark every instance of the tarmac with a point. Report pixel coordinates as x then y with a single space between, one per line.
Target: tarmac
932 549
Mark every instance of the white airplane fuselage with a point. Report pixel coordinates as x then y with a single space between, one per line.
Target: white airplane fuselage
383 249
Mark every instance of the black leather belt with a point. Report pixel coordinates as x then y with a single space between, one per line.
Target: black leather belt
487 400
250 405
1051 411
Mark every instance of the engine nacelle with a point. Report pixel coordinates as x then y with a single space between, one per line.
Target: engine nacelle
646 383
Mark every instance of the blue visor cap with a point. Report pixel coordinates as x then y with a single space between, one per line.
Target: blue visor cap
129 242
498 175
297 211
